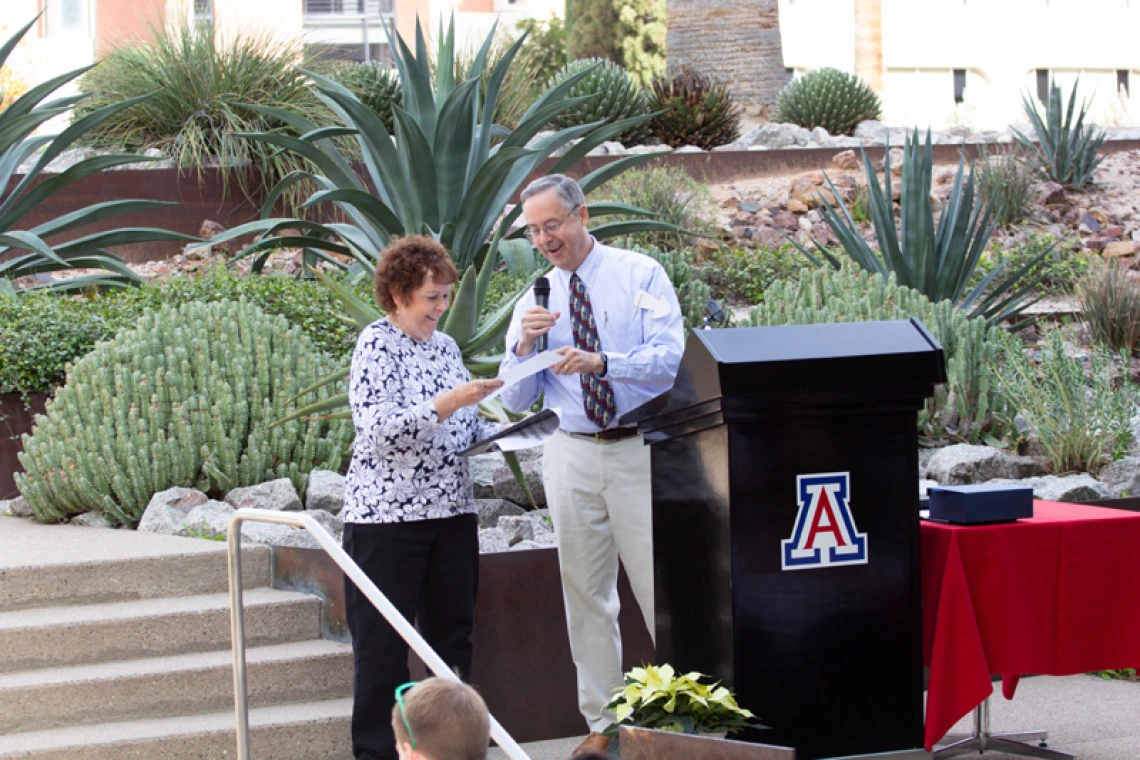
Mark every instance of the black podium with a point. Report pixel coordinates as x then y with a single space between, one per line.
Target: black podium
785 527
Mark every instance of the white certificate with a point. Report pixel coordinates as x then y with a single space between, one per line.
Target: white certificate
531 366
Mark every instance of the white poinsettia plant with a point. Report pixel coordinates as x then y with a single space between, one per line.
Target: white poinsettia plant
655 697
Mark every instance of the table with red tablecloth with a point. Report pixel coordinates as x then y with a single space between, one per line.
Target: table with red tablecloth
1056 594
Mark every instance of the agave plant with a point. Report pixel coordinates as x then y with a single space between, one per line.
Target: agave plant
25 252
938 261
1065 151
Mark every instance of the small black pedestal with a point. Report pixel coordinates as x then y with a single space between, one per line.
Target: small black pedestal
785 497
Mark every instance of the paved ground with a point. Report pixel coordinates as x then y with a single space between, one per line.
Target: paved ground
1085 715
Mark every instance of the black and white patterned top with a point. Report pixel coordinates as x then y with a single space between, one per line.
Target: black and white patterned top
404 462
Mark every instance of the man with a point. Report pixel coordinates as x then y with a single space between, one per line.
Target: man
614 318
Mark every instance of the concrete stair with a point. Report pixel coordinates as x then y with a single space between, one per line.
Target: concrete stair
130 658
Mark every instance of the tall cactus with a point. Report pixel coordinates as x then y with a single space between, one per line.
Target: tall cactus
968 407
184 399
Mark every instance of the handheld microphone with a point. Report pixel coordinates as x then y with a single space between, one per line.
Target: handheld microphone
542 298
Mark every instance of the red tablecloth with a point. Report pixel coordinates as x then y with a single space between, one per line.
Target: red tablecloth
1056 594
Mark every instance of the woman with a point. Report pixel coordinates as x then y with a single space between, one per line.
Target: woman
409 514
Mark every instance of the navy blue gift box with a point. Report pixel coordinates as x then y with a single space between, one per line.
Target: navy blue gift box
982 503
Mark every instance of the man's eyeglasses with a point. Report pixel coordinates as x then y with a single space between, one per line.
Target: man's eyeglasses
400 701
550 228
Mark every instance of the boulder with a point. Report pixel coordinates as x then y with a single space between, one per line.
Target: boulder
1119 248
1080 487
325 491
689 149
277 494
334 524
483 467
490 510
871 130
211 521
807 188
166 511
965 463
1122 477
540 519
527 545
93 519
277 535
517 528
506 487
819 135
640 150
797 207
492 540
924 484
18 507
772 135
786 220
845 161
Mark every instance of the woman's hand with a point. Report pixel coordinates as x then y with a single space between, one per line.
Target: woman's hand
466 394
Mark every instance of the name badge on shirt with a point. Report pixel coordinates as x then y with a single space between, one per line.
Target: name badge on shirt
643 300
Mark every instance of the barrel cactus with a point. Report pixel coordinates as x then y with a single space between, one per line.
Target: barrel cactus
187 398
828 98
614 95
375 85
695 110
968 407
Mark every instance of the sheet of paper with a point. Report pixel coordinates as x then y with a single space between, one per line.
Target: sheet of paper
531 366
534 435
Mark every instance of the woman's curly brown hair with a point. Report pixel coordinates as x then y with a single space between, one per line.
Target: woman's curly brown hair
404 266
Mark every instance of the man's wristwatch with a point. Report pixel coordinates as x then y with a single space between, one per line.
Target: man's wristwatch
605 365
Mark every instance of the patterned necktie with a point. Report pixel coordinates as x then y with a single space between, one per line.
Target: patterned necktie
597 395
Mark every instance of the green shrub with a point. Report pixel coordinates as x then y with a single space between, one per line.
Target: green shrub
375 84
828 98
614 95
203 87
641 35
1008 181
591 30
1052 265
671 194
543 53
1110 306
742 275
40 334
1083 418
694 110
1065 150
184 399
967 407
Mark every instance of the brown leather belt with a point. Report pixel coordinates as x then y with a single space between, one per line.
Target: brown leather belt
612 434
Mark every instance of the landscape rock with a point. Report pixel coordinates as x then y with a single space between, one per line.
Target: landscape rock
277 535
871 130
507 488
1119 248
517 528
689 149
1122 477
1080 487
845 161
640 150
491 510
93 519
492 540
527 545
18 507
166 511
963 464
924 484
210 521
820 136
276 494
483 467
325 491
334 524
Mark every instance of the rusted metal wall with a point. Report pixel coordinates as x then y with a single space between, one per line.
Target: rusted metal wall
16 418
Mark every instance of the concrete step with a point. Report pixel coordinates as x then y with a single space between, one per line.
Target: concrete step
126 580
308 731
49 637
39 700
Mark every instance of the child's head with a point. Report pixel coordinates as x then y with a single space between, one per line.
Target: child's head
440 719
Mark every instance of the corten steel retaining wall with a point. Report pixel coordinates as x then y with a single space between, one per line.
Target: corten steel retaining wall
201 197
522 663
16 418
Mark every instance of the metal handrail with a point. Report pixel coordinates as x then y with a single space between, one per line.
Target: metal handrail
363 582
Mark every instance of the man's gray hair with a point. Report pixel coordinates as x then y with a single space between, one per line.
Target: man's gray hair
569 192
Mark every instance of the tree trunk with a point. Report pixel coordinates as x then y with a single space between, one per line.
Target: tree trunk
869 43
734 41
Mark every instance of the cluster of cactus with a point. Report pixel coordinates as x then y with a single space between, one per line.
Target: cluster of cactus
187 398
694 110
375 85
969 406
828 98
692 293
613 95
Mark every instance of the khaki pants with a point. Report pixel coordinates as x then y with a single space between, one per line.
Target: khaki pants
601 504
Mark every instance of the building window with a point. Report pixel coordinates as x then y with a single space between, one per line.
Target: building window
1122 83
959 85
1043 85
67 17
789 75
203 10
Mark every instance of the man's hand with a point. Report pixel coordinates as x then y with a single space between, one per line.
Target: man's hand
536 321
577 362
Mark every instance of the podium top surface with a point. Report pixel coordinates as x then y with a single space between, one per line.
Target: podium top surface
839 340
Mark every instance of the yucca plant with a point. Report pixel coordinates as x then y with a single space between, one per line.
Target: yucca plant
1065 150
938 261
25 252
